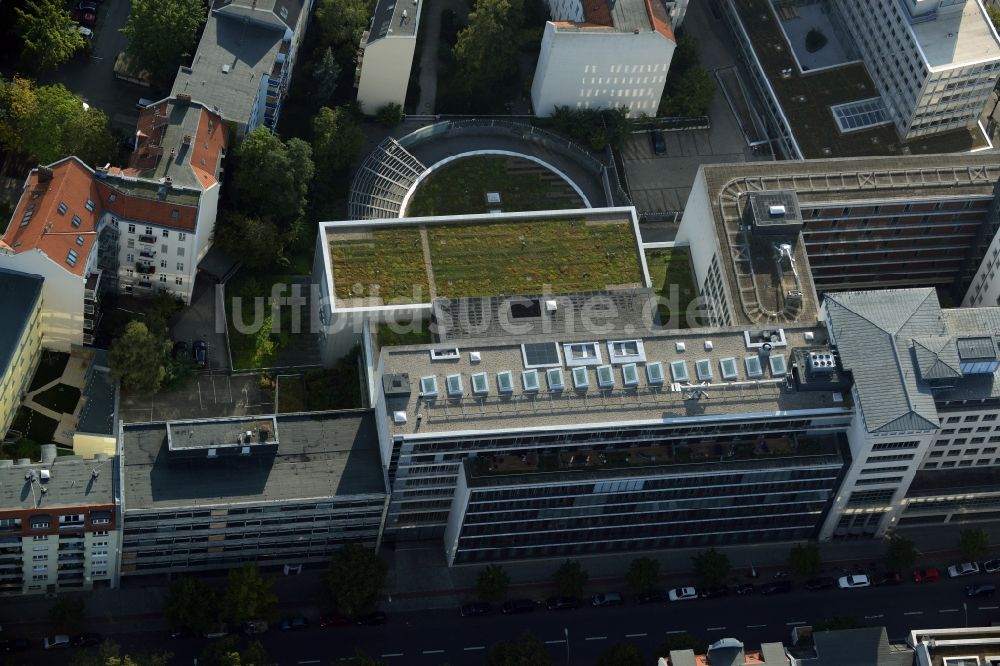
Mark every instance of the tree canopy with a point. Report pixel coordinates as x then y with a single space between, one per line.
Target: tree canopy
570 579
191 604
139 359
901 553
161 32
248 596
689 87
804 560
524 651
226 652
623 654
110 654
711 566
326 75
355 579
642 574
487 48
492 583
257 242
66 615
337 139
50 35
974 543
341 23
272 176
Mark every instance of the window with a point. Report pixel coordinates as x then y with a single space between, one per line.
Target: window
953 419
181 236
131 228
180 252
541 355
582 353
554 376
163 263
936 454
100 521
39 558
62 208
89 205
178 281
703 368
100 533
40 567
166 232
428 386
679 371
131 243
180 265
626 351
149 231
130 258
163 278
888 446
71 520
44 537
446 354
76 221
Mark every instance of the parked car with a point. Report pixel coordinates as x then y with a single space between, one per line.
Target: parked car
85 32
254 627
963 569
517 606
887 578
857 580
370 619
652 597
143 103
472 610
822 583
87 640
88 19
85 6
199 351
683 594
334 620
926 575
562 603
606 599
217 631
56 642
777 587
297 622
714 591
15 645
991 566
980 590
658 143
742 589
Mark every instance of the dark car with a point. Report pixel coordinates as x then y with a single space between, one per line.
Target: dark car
887 578
980 590
370 619
297 622
714 591
87 6
87 640
777 587
182 633
562 603
744 588
518 606
199 352
472 610
15 645
180 349
334 620
822 583
88 19
652 597
658 142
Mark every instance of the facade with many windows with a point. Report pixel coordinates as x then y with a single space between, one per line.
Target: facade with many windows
20 340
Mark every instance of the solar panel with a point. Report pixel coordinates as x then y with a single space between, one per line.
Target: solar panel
703 367
428 386
541 354
555 378
605 377
630 375
454 386
728 367
530 380
753 367
654 372
580 379
778 368
505 383
679 369
480 386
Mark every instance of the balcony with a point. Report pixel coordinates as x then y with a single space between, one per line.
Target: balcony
148 239
76 545
144 269
92 286
144 284
147 254
71 556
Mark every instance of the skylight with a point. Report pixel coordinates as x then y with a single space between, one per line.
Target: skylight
72 257
654 372
541 354
580 379
582 353
63 208
454 386
428 386
679 369
753 367
530 380
778 367
605 377
630 375
704 369
447 354
90 205
505 383
626 351
728 368
76 220
79 241
480 385
555 378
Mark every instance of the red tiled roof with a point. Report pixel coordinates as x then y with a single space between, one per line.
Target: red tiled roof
142 209
207 144
660 20
208 147
49 230
597 12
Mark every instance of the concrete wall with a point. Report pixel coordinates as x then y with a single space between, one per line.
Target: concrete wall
62 297
596 69
385 72
17 376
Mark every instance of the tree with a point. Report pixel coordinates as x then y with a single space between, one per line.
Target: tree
974 544
248 596
337 139
256 241
492 583
66 615
109 654
486 50
191 604
361 659
355 579
264 345
139 359
711 566
682 642
390 114
326 75
272 176
570 579
692 94
994 15
524 651
341 23
623 654
642 574
50 35
803 559
901 553
161 32
226 652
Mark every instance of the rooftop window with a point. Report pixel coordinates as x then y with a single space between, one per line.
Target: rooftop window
530 380
728 368
654 373
630 375
63 208
480 385
541 354
444 354
76 220
428 386
605 377
505 383
582 353
454 386
703 367
778 367
89 205
753 366
626 351
679 370
580 379
554 376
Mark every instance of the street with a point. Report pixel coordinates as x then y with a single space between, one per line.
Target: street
432 638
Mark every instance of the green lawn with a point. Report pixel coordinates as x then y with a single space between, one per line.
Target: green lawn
50 368
291 394
460 188
34 426
386 262
60 398
672 278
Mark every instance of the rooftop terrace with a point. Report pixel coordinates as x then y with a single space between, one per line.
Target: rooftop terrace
806 99
419 259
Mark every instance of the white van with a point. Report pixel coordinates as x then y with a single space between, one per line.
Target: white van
86 32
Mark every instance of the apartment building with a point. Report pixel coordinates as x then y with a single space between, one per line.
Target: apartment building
20 339
244 62
859 223
955 647
385 54
935 62
59 528
213 494
604 54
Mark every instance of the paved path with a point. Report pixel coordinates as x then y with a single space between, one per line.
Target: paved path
430 20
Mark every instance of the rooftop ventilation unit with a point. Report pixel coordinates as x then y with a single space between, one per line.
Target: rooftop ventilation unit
679 346
475 357
821 363
399 418
44 475
776 211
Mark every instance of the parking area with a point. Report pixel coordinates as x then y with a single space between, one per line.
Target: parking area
208 395
203 320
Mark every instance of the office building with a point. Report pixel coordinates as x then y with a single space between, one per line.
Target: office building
385 54
59 528
603 54
955 647
20 340
244 62
214 494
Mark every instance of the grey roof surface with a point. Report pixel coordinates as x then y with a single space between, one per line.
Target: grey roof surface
99 411
72 483
937 357
319 455
178 120
873 331
630 15
248 48
277 13
964 323
389 19
19 292
857 647
206 434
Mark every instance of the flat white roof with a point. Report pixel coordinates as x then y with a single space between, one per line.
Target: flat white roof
958 38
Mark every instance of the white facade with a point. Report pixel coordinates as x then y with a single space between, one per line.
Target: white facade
62 297
600 68
385 71
42 556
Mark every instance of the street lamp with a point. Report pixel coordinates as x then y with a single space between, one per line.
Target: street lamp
566 634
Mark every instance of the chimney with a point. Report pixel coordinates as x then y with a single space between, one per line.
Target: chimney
187 139
183 98
44 174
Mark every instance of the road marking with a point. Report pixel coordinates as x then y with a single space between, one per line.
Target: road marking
755 626
478 647
948 610
988 607
914 613
561 640
635 635
792 624
310 661
677 631
392 654
716 629
433 651
873 617
596 638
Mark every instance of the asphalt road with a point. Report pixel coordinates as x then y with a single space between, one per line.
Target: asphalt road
433 638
